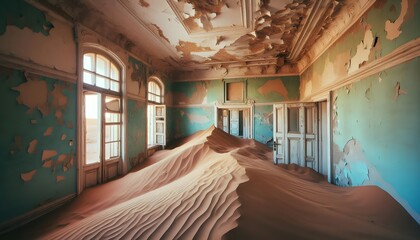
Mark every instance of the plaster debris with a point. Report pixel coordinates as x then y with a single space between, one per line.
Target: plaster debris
276 86
59 178
32 146
393 28
26 177
47 154
398 91
362 51
33 94
48 132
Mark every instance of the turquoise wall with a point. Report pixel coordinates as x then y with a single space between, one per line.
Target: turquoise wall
21 125
198 98
386 127
136 132
375 125
263 123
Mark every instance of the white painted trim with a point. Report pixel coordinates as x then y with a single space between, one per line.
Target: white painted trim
400 55
17 63
249 105
34 214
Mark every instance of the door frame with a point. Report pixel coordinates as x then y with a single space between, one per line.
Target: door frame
325 97
248 106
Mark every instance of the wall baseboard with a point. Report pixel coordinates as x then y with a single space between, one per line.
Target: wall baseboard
34 214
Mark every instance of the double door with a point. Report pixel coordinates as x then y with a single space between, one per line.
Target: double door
295 134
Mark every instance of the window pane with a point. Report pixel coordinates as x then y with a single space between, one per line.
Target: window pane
115 86
293 119
89 61
102 82
115 74
93 123
112 117
112 133
88 78
102 65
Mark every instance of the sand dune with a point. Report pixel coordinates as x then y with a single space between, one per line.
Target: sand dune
216 186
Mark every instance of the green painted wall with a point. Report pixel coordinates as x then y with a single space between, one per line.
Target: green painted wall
21 125
188 120
136 132
375 129
263 123
386 127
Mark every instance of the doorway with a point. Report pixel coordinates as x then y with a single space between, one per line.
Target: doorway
235 119
300 134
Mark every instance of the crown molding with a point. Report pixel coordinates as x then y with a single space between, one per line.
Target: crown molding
312 26
17 63
348 16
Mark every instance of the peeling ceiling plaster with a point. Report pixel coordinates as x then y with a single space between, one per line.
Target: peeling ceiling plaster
186 35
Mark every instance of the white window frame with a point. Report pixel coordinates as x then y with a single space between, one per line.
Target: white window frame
156 113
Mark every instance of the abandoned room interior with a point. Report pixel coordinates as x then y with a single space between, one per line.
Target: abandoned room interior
210 119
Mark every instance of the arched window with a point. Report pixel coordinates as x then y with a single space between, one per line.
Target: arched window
155 91
102 118
156 112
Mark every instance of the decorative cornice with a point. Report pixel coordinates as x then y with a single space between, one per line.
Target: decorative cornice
348 16
400 55
312 25
17 63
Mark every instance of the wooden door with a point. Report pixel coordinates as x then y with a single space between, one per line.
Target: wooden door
234 122
295 135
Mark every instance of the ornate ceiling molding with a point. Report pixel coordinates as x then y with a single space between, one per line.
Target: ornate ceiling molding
312 25
346 18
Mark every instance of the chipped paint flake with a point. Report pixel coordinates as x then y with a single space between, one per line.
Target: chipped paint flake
362 51
32 146
63 137
143 3
49 131
398 91
33 94
47 164
61 158
26 177
393 28
59 178
47 154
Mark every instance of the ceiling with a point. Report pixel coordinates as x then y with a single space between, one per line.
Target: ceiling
186 35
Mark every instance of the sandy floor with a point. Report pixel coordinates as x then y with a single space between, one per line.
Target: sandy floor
215 186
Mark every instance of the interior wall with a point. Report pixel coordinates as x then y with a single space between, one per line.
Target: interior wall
375 119
193 103
38 144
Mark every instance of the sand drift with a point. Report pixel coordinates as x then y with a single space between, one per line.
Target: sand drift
216 186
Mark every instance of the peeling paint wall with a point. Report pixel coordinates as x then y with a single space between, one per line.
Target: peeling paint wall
53 38
37 162
198 98
376 135
366 41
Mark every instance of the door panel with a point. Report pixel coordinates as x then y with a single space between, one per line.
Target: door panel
234 122
297 123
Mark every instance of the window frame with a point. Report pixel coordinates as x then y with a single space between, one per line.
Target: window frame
152 118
